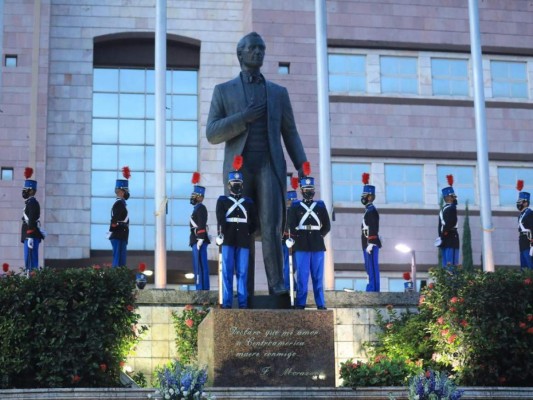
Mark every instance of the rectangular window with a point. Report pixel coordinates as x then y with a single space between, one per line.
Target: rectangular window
404 184
509 79
124 133
397 285
347 181
347 73
507 179
351 284
399 74
7 174
10 61
284 68
449 77
463 182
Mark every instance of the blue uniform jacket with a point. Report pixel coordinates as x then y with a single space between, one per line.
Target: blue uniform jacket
308 239
237 234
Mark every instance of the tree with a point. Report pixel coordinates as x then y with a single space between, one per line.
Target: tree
468 263
439 250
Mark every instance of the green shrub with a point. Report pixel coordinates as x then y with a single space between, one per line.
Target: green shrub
404 336
482 325
139 379
66 328
186 325
381 371
477 324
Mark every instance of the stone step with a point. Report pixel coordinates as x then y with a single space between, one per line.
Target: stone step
279 393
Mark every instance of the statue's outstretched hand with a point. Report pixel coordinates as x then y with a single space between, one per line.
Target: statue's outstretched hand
253 112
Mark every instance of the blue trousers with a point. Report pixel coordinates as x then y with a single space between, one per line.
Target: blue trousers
31 256
526 261
450 256
201 267
309 262
234 260
119 252
372 269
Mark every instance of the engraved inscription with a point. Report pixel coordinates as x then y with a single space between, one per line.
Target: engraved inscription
272 344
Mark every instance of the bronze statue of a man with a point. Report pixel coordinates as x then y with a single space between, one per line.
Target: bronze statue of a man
251 115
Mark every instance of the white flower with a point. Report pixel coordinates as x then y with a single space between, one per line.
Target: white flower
167 396
171 391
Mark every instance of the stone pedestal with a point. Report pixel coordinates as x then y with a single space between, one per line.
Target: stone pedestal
269 302
251 348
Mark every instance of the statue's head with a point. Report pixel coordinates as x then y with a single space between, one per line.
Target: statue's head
251 51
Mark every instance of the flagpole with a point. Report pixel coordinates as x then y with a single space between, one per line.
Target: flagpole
324 142
481 137
160 255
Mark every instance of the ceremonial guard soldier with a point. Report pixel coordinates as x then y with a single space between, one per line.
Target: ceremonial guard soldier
199 238
309 223
140 277
525 227
31 234
236 219
370 240
119 227
291 197
448 239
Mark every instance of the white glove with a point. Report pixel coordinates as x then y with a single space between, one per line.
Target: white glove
531 251
289 242
30 243
219 240
199 243
369 248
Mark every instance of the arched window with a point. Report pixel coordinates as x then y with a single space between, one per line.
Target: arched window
123 133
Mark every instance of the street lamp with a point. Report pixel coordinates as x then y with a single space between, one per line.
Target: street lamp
406 249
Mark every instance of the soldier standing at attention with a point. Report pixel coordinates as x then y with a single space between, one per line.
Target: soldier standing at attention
448 235
525 227
236 216
309 220
370 235
30 233
119 227
199 239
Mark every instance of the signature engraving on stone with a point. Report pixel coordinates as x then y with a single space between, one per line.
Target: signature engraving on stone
266 370
292 372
